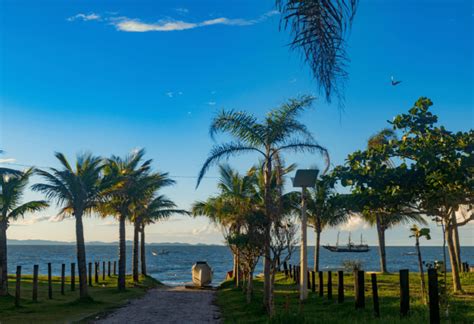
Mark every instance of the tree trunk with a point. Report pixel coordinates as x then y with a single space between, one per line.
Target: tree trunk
267 283
3 259
122 253
237 269
457 244
381 237
422 275
81 256
135 256
249 287
142 250
452 258
317 247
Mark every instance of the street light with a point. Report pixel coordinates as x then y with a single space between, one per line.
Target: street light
304 179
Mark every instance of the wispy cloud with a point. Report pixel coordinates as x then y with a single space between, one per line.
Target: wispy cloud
182 11
136 25
211 103
84 17
172 94
354 223
34 220
9 160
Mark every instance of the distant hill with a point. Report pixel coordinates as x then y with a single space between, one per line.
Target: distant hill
48 242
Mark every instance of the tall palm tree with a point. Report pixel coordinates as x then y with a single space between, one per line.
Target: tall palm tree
79 191
12 188
418 233
319 29
279 132
132 182
157 208
144 191
323 211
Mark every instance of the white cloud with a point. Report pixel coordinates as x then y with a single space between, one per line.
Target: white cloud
34 219
135 25
182 11
354 223
170 94
211 103
10 160
84 17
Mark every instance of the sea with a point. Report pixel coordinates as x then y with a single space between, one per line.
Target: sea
171 264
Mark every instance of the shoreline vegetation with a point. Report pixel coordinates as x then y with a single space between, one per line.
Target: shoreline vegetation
68 307
288 308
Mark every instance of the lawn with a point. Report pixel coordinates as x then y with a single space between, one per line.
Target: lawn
67 308
231 300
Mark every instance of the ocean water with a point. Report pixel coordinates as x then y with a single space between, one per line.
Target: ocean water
174 268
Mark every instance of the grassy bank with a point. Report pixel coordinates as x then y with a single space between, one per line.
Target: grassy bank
67 308
320 309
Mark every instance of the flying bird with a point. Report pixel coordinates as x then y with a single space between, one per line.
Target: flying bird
395 82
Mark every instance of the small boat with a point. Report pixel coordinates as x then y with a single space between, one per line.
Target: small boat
162 252
409 253
350 247
202 274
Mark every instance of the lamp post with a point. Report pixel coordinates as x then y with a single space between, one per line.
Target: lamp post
304 179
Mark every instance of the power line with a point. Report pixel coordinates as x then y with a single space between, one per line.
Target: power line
171 176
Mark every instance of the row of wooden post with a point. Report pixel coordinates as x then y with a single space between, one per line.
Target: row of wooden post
63 278
359 289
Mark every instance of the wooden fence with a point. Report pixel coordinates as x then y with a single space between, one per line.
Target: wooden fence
360 288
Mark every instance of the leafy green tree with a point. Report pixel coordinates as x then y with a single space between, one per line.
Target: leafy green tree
132 183
418 233
443 164
12 187
279 132
79 191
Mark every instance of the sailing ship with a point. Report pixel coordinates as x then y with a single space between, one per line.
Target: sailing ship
350 247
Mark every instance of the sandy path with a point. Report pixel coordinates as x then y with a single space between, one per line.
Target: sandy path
168 305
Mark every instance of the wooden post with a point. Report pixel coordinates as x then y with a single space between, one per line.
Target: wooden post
433 296
63 277
115 268
90 274
297 276
321 284
96 271
18 286
340 287
35 283
103 270
73 276
329 285
308 281
290 270
50 282
285 269
404 292
359 288
375 295
108 269
313 281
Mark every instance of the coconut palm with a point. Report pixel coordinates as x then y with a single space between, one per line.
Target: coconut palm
132 183
12 188
318 30
323 211
145 189
155 209
79 191
418 233
279 132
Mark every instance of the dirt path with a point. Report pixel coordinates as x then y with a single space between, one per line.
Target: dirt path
168 305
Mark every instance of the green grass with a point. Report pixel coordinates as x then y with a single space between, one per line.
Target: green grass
68 308
319 309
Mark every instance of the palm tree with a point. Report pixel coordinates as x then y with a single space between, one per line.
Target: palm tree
323 211
231 206
132 183
318 29
279 132
418 233
79 191
12 188
157 208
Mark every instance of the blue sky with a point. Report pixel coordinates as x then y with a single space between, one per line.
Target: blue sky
108 77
